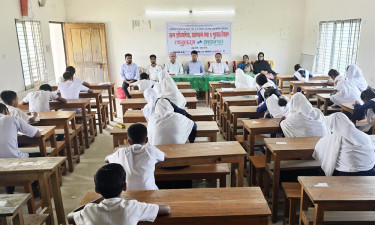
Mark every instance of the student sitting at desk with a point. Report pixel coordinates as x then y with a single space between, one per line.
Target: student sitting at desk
303 120
218 66
39 100
72 70
170 90
167 127
367 109
301 75
111 208
263 84
335 77
275 105
11 100
143 82
346 151
346 92
9 128
354 74
243 80
138 160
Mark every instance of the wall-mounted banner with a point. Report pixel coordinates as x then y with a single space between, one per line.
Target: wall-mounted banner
207 38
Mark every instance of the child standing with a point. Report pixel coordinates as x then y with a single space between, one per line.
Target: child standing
138 160
111 208
39 100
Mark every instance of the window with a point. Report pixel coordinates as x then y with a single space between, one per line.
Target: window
337 45
31 50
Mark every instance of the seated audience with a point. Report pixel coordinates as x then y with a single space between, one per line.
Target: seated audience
218 66
154 69
354 74
143 83
335 77
263 67
245 65
72 70
366 110
194 66
173 67
275 104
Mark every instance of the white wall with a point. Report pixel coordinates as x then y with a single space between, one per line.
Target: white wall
272 26
323 10
10 63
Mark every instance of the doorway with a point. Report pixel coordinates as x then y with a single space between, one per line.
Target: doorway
58 48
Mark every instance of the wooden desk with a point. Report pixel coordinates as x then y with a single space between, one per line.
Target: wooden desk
326 99
45 170
183 85
294 85
191 102
258 126
184 92
347 107
213 86
205 129
211 206
281 78
236 112
200 114
111 96
316 90
11 212
342 194
47 132
284 149
63 120
235 92
97 95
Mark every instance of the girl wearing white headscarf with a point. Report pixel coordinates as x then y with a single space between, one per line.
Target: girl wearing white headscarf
347 151
167 127
151 96
276 105
347 92
171 92
303 120
335 77
243 80
354 74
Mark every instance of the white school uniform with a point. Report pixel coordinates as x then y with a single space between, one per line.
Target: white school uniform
13 111
299 76
116 211
139 164
153 71
346 92
39 100
170 90
71 90
174 68
151 96
216 67
75 80
275 109
354 74
9 127
143 84
243 80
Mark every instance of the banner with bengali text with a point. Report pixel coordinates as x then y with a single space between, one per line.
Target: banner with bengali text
207 38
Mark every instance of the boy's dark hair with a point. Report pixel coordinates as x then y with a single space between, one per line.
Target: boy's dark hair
297 67
45 87
128 54
218 54
143 76
68 76
8 96
137 133
152 56
368 94
110 180
261 79
245 56
194 52
71 69
2 107
333 73
272 91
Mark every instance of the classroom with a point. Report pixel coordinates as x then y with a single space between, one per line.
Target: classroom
187 112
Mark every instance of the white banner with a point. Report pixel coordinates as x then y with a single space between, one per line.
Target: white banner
207 38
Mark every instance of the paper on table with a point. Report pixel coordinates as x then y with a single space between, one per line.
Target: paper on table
40 129
227 89
216 74
3 203
280 143
198 74
321 185
27 164
104 83
255 122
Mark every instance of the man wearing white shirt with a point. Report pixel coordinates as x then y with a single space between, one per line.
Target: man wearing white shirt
173 67
218 66
154 69
72 70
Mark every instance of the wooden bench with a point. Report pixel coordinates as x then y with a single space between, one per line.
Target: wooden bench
194 172
257 168
292 199
340 217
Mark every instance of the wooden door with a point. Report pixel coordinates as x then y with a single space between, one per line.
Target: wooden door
86 50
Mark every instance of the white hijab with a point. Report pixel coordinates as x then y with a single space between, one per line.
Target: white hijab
168 127
354 74
347 92
162 74
151 96
244 81
275 109
303 120
338 79
346 143
170 91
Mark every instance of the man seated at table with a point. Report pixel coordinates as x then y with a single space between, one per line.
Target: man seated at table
11 100
129 73
72 70
218 66
194 66
173 67
154 69
9 128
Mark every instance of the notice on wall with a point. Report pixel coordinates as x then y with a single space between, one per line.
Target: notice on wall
207 38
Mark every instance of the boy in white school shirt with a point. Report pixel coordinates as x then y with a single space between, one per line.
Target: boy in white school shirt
143 83
138 160
11 100
111 208
72 70
218 66
154 69
39 100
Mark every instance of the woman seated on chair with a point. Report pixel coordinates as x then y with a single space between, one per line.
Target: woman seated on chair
245 65
262 66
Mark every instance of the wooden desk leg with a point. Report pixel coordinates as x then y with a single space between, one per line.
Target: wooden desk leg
275 188
57 198
318 104
207 98
115 141
234 127
240 171
291 89
267 176
252 143
85 129
99 112
43 147
325 110
233 179
305 203
68 146
110 102
213 137
319 215
223 181
46 197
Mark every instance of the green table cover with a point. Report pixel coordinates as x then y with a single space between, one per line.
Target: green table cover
201 82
